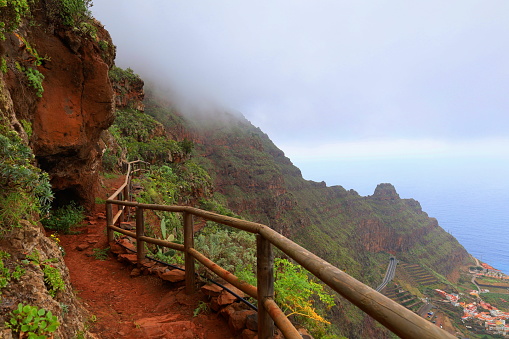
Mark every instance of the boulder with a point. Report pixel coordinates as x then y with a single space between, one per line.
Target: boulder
173 275
226 298
136 272
211 290
248 334
128 258
252 321
237 320
82 246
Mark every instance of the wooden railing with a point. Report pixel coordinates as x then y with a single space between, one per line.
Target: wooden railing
395 317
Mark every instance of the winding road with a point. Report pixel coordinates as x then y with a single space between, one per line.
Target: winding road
389 274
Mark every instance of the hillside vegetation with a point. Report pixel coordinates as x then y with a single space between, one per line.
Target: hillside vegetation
56 101
243 173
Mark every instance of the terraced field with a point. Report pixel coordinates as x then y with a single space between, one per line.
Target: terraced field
402 297
419 274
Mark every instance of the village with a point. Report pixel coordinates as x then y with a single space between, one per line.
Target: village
494 320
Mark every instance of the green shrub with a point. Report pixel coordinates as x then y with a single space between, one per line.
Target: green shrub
75 12
52 278
109 161
101 253
35 79
233 251
27 126
11 13
103 45
26 190
118 74
32 322
3 65
14 207
63 218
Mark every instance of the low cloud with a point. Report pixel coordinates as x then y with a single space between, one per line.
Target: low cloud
328 71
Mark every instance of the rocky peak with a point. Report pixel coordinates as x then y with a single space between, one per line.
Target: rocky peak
386 192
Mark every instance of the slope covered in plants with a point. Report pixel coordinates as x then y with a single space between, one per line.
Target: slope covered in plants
357 234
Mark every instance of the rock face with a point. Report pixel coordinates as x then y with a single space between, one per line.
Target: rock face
129 92
32 288
76 105
385 192
355 233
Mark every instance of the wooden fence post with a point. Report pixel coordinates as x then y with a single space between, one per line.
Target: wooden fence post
125 213
265 285
109 219
189 259
140 231
120 197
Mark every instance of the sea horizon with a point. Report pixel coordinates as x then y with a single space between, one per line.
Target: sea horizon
468 197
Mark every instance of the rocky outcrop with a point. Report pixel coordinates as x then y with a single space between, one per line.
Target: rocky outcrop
76 104
128 89
385 192
29 249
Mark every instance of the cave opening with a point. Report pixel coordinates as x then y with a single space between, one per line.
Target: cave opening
67 196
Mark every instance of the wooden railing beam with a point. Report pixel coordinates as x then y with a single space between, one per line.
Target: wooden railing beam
280 319
395 317
224 274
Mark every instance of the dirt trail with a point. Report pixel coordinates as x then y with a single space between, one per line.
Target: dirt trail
131 307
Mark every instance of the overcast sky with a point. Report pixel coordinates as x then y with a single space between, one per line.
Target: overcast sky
348 78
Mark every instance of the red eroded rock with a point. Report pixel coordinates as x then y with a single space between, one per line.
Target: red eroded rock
226 298
237 321
249 334
167 326
128 258
173 275
211 290
252 321
82 246
74 108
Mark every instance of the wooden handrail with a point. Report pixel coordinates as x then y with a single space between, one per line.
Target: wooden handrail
392 315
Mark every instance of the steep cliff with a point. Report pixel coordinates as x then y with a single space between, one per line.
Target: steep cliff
347 229
56 75
357 234
55 99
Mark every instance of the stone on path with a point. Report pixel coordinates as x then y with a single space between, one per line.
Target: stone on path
82 247
173 275
167 326
211 290
226 298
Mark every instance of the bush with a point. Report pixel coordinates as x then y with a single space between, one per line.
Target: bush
52 278
118 75
75 12
11 13
26 190
233 251
295 293
35 79
7 274
32 322
109 161
63 218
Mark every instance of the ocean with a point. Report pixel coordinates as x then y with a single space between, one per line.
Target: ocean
469 197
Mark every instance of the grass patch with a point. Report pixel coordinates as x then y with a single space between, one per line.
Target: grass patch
100 253
64 218
108 175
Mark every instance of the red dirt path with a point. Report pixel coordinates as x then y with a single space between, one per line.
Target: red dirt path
125 306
